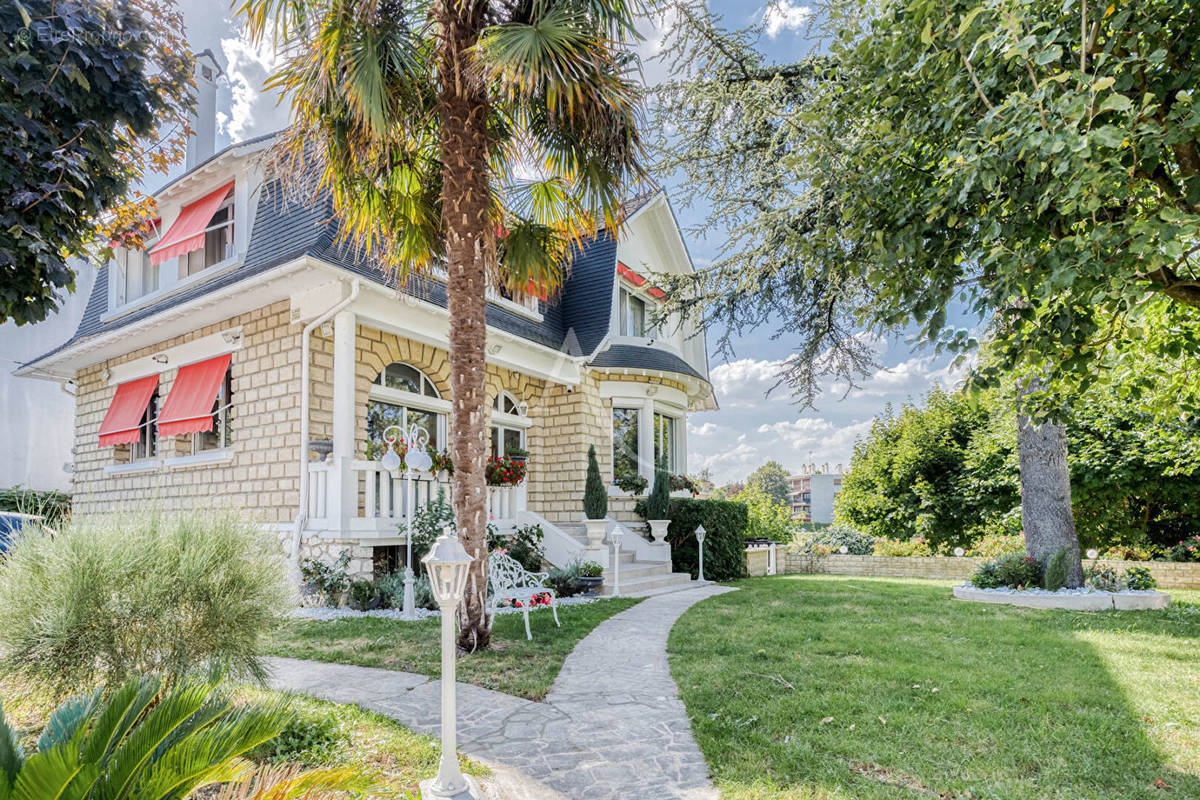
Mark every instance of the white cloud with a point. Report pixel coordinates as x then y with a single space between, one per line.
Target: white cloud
752 428
781 15
251 112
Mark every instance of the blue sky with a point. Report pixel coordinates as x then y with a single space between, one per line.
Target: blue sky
751 427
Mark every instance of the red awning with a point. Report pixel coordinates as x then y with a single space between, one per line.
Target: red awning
189 405
122 423
629 274
187 231
656 293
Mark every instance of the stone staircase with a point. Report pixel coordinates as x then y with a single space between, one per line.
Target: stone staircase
638 578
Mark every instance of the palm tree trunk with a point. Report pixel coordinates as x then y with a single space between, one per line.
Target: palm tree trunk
1046 494
462 108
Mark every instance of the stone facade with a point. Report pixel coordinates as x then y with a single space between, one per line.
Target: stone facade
258 472
264 425
1170 575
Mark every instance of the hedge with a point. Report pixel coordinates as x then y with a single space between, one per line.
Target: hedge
53 506
724 547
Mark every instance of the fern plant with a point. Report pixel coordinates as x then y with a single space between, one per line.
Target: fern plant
595 495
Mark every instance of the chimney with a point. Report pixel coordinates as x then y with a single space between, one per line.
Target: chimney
203 142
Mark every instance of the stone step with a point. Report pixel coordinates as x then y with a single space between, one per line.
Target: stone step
639 569
655 583
675 587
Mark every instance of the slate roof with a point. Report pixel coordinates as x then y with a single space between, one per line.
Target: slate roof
637 357
285 230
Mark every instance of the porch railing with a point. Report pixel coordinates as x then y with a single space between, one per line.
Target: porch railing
379 501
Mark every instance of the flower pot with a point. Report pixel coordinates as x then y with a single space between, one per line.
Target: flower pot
518 459
658 529
597 529
590 586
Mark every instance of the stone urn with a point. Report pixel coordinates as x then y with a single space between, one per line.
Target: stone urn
658 529
597 530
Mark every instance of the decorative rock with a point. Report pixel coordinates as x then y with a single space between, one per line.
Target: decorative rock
1065 599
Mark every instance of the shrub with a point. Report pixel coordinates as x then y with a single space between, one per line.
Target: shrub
1103 578
309 739
908 547
330 580
631 482
680 483
994 545
658 504
1133 552
590 569
391 590
524 545
1186 550
53 507
595 495
563 579
724 547
108 598
833 539
1058 568
428 522
1014 570
1139 579
363 595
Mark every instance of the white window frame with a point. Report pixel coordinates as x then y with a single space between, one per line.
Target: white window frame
677 423
405 399
224 404
145 449
184 261
647 407
503 421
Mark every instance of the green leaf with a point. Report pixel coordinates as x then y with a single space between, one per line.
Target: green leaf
927 32
1115 102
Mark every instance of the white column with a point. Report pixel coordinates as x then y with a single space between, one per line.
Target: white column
646 440
343 494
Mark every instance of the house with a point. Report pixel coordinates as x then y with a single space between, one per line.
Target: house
814 492
244 359
37 417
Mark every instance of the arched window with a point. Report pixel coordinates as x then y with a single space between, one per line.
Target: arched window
508 425
402 395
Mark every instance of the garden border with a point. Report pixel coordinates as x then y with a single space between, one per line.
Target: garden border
1168 574
1090 601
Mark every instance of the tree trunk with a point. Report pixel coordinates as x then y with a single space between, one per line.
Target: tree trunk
463 111
1046 495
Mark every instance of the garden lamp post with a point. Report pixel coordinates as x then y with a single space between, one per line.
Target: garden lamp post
447 564
415 458
700 534
615 538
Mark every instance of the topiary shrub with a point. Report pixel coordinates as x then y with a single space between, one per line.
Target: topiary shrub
724 547
1058 567
108 598
658 504
595 494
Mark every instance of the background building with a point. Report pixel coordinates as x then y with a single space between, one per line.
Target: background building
814 491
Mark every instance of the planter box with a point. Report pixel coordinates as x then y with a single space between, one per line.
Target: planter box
1091 601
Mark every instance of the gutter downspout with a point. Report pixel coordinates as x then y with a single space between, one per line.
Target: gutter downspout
305 357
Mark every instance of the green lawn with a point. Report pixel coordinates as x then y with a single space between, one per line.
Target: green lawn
825 687
513 665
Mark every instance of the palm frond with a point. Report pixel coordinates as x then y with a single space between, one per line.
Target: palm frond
69 720
292 783
56 774
120 713
12 756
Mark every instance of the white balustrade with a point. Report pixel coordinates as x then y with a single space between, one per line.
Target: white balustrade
318 488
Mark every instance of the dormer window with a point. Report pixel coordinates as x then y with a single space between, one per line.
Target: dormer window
138 276
633 314
201 236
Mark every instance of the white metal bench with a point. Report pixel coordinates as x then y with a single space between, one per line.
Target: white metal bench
511 581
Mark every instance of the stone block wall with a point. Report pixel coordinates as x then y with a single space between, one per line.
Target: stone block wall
1169 575
261 475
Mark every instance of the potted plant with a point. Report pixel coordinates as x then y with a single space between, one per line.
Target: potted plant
516 454
504 471
658 504
631 483
595 502
441 462
590 577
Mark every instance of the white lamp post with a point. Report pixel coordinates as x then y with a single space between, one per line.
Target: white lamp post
447 564
958 551
700 534
615 537
415 459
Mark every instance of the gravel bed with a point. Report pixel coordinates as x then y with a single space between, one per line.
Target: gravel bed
325 614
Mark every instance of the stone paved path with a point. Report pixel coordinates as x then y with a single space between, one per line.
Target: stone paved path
611 728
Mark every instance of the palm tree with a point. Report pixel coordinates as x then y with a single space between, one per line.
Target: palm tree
490 136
